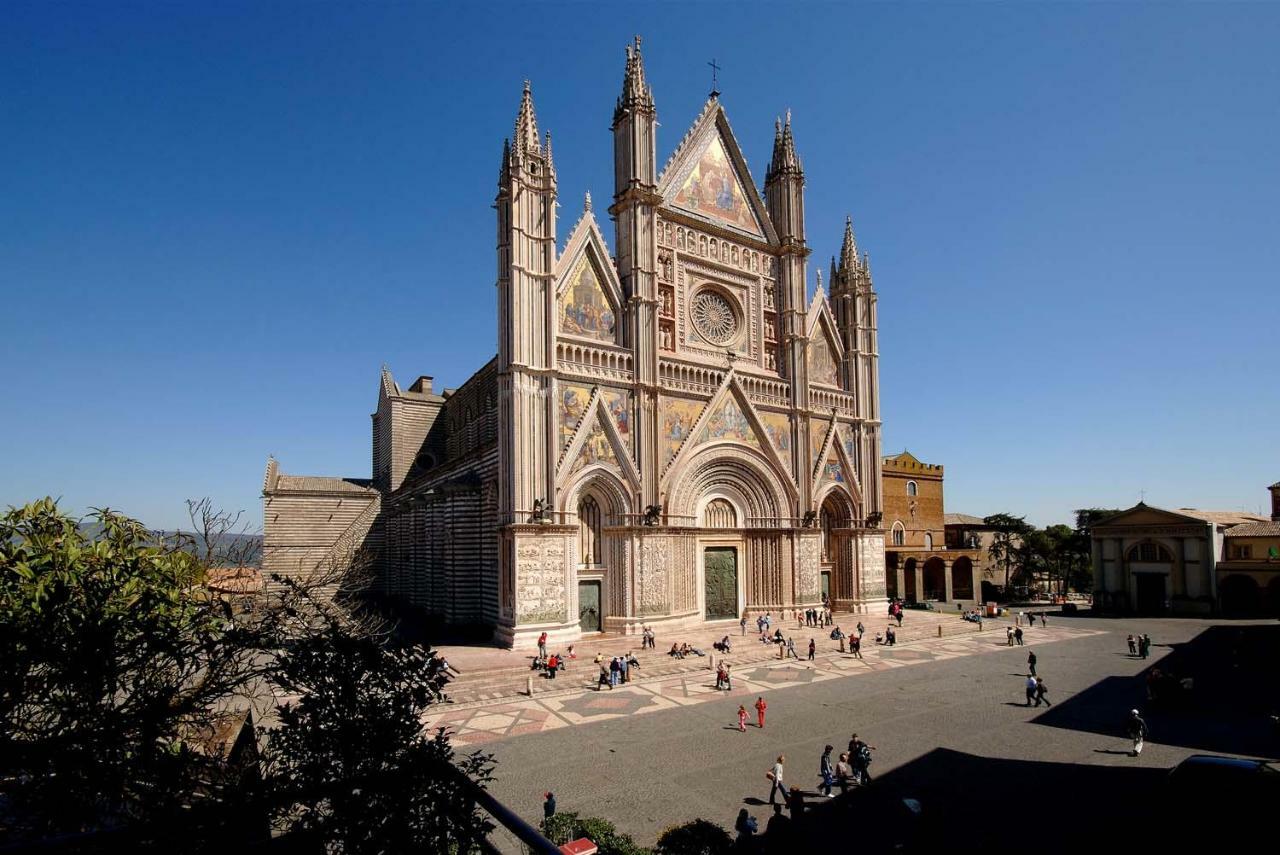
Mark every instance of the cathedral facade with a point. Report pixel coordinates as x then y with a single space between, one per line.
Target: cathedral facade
669 434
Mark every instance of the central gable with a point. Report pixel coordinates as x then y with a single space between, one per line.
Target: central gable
584 308
707 177
713 190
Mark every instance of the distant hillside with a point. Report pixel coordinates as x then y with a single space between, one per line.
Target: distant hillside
239 549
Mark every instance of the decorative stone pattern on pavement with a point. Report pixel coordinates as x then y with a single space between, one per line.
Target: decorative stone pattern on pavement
535 715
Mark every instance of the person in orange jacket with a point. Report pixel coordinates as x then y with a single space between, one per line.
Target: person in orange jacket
761 706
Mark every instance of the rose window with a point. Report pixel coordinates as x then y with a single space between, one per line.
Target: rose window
714 318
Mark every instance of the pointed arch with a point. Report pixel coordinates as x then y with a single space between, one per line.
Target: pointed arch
826 353
598 443
588 294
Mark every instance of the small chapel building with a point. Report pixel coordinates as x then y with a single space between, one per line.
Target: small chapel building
671 432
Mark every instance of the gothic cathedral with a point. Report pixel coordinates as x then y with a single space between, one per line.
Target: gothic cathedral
668 435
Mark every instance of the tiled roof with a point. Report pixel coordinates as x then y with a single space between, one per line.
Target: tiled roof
323 484
235 580
962 519
1257 529
1223 518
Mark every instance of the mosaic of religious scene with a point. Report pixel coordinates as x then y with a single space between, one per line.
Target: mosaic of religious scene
584 309
822 363
778 427
817 433
619 404
596 449
712 190
832 470
573 403
846 437
678 416
728 422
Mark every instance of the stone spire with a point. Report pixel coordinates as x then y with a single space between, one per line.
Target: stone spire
525 137
849 248
785 160
832 276
636 95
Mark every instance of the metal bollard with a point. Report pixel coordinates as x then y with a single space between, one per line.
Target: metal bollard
939 630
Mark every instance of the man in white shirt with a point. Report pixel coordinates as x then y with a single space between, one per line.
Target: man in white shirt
1031 690
777 782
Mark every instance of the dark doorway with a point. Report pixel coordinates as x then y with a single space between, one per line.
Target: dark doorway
826 586
1150 593
720 572
909 581
1239 596
589 606
935 580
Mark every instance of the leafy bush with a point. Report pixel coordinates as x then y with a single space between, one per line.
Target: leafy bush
699 837
563 827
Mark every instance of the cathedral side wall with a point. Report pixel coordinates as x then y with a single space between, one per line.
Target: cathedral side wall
303 531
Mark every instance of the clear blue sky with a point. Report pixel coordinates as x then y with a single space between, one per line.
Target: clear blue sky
215 227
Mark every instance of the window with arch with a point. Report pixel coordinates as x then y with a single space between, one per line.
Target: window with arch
928 540
719 513
589 519
911 488
899 534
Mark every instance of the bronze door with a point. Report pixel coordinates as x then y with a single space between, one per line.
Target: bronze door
589 606
720 569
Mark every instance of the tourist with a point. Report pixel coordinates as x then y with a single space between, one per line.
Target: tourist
1008 635
860 757
743 624
604 677
742 718
572 653
813 648
675 651
879 638
728 678
548 805
719 677
1017 635
761 706
553 665
1133 647
632 661
1042 692
768 621
844 772
791 649
861 629
855 646
777 834
542 646
1031 690
826 771
801 617
1145 647
890 637
899 615
838 636
599 658
1031 662
622 669
614 673
1137 731
746 826
1043 621
1031 619
776 777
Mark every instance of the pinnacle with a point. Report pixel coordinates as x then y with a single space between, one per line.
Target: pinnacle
525 137
586 203
849 248
784 151
636 93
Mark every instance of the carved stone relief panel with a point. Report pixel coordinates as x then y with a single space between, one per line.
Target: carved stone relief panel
653 569
808 556
541 570
871 566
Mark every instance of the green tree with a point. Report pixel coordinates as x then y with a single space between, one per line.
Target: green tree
117 668
563 827
112 664
1006 542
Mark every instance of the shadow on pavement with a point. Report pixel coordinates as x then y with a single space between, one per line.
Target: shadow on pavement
1226 710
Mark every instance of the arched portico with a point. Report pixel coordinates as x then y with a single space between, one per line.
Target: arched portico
595 502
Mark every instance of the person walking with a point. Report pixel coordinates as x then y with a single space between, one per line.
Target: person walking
1044 621
860 757
761 706
813 648
728 678
861 629
742 718
1144 645
826 771
1017 635
1031 619
1133 647
553 665
778 786
743 623
1136 729
746 827
791 649
899 617
855 646
1008 635
1031 690
1031 662
548 805
604 677
1042 692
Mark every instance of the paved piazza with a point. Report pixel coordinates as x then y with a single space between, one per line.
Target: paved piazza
946 717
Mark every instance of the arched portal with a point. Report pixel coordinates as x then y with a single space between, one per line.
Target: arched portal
962 579
597 501
1239 596
836 515
935 579
909 581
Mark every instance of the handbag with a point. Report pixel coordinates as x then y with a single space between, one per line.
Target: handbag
769 775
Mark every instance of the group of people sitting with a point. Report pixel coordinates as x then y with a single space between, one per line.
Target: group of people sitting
723 645
552 664
888 638
680 651
973 616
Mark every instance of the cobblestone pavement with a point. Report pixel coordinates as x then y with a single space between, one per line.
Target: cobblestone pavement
519 717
